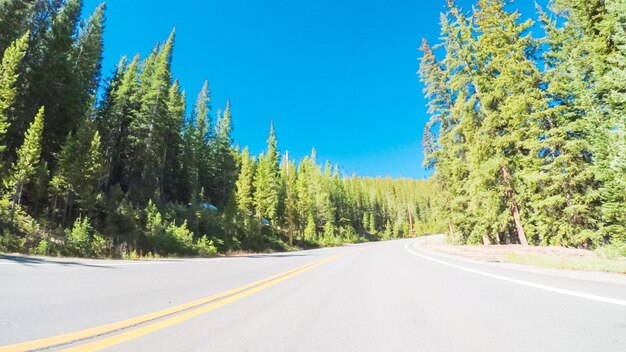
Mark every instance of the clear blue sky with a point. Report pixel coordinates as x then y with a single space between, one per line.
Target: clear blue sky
337 75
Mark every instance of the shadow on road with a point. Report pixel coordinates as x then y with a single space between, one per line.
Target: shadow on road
31 261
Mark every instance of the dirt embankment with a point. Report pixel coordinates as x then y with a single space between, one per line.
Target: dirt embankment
498 253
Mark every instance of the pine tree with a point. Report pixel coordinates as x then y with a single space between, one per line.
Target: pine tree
62 185
244 184
511 108
79 174
115 117
449 87
16 17
267 181
53 81
222 164
28 158
148 128
564 206
614 170
372 224
305 196
201 136
87 58
290 177
11 60
94 166
173 146
310 230
189 172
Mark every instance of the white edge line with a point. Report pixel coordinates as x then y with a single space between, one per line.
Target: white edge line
522 282
112 264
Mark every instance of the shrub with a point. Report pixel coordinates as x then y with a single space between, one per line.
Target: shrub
177 239
42 247
310 232
133 255
98 246
351 236
78 238
612 251
205 247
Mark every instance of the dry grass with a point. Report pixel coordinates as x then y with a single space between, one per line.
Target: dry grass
569 263
545 257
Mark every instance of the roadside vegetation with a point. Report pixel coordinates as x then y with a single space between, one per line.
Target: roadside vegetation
527 134
133 172
569 263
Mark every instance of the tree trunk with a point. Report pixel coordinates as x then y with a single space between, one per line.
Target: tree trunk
289 202
19 194
450 230
162 176
518 224
410 220
510 194
16 200
486 239
54 207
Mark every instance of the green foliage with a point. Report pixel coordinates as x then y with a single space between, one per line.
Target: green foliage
78 239
267 181
19 232
526 135
28 157
244 183
129 174
131 255
9 74
179 239
613 251
99 246
310 231
17 17
205 247
42 248
350 235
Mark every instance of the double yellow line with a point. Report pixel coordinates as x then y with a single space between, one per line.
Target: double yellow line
160 319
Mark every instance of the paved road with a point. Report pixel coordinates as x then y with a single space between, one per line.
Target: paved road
387 296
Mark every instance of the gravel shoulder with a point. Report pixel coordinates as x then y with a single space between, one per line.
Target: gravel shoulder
497 256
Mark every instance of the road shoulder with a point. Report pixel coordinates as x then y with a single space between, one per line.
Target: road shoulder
436 246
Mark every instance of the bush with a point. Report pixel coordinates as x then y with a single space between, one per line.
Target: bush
351 236
78 243
177 240
42 248
20 232
612 251
205 247
98 246
310 231
132 255
11 243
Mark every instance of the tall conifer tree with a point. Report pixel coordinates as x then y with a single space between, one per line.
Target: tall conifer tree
9 74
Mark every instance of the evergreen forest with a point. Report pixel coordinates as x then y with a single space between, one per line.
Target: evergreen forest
116 164
527 131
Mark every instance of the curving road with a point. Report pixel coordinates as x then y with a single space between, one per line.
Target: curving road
388 296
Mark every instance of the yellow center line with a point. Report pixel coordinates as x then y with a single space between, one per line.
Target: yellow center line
194 308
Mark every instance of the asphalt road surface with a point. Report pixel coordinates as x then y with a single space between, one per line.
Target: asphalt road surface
388 296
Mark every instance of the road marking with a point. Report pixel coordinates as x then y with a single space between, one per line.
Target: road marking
193 308
96 265
521 282
133 334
